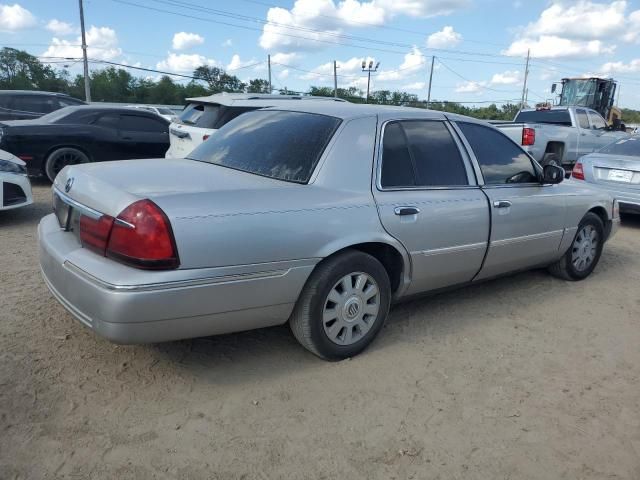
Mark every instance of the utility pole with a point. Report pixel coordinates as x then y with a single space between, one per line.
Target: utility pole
433 58
269 65
87 88
370 68
526 75
335 80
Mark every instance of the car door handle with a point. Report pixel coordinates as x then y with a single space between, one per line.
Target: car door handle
406 210
501 204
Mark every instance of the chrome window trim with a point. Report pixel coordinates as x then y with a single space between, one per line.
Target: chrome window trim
88 211
466 160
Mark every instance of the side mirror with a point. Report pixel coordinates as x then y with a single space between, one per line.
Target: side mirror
552 174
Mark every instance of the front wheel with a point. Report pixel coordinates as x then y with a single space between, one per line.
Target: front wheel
343 306
583 255
60 158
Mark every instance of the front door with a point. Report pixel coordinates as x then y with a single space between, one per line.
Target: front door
428 199
527 218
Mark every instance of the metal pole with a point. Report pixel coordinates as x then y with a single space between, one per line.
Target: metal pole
269 66
368 83
433 58
335 80
526 74
87 88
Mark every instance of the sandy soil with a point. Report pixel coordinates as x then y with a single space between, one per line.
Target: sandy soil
526 377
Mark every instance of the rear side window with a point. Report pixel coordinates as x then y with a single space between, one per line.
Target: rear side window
138 123
35 104
276 144
420 153
556 117
583 120
501 161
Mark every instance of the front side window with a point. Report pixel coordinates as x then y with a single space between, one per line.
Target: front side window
271 143
420 153
583 120
597 122
501 161
108 120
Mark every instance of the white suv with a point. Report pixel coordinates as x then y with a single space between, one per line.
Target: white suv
204 115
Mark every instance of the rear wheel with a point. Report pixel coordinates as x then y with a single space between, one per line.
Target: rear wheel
583 255
60 158
343 306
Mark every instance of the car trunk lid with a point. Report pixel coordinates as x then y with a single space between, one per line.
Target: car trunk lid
615 169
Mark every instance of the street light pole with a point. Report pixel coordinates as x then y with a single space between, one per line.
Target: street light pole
369 68
87 88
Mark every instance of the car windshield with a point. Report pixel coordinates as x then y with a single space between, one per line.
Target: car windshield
625 146
273 143
556 117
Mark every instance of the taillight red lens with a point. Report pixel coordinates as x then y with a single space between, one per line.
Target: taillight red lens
577 172
204 137
94 233
528 136
142 237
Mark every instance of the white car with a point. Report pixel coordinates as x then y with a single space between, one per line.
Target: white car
15 189
164 112
204 115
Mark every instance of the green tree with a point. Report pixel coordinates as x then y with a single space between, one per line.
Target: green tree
218 80
258 85
22 71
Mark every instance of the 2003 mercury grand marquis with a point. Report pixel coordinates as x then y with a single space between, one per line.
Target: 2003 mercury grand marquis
321 215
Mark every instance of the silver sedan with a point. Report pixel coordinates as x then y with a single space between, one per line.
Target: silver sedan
321 215
616 169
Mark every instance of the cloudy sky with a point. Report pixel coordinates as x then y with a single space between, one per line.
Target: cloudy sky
480 45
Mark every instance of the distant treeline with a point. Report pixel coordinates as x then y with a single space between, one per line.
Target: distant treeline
21 71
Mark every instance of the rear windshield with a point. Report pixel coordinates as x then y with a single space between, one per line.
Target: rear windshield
276 144
625 146
557 117
200 115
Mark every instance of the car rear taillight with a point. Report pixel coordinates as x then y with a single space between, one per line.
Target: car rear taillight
528 136
577 172
204 137
141 236
94 233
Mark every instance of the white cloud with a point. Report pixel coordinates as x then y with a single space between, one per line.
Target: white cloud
283 74
185 40
470 87
102 44
59 27
447 37
549 46
236 63
413 61
620 67
584 19
285 58
14 17
184 63
506 78
227 43
326 18
633 30
415 86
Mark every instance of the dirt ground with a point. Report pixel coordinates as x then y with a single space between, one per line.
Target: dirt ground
526 377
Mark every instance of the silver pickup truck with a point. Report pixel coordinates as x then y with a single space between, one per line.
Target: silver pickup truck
559 135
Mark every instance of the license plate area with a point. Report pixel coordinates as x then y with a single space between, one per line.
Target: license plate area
620 176
63 212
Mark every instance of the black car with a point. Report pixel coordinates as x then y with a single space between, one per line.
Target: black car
28 104
84 134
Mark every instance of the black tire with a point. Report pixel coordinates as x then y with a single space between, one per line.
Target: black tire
565 267
60 158
307 318
551 159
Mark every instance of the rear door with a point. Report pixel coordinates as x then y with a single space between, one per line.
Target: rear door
527 218
142 136
428 199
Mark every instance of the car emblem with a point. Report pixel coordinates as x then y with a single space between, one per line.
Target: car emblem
68 185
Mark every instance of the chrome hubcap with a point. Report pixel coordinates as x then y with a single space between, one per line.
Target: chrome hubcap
584 248
351 308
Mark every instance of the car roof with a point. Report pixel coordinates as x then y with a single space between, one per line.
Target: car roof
348 111
107 108
256 99
33 92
